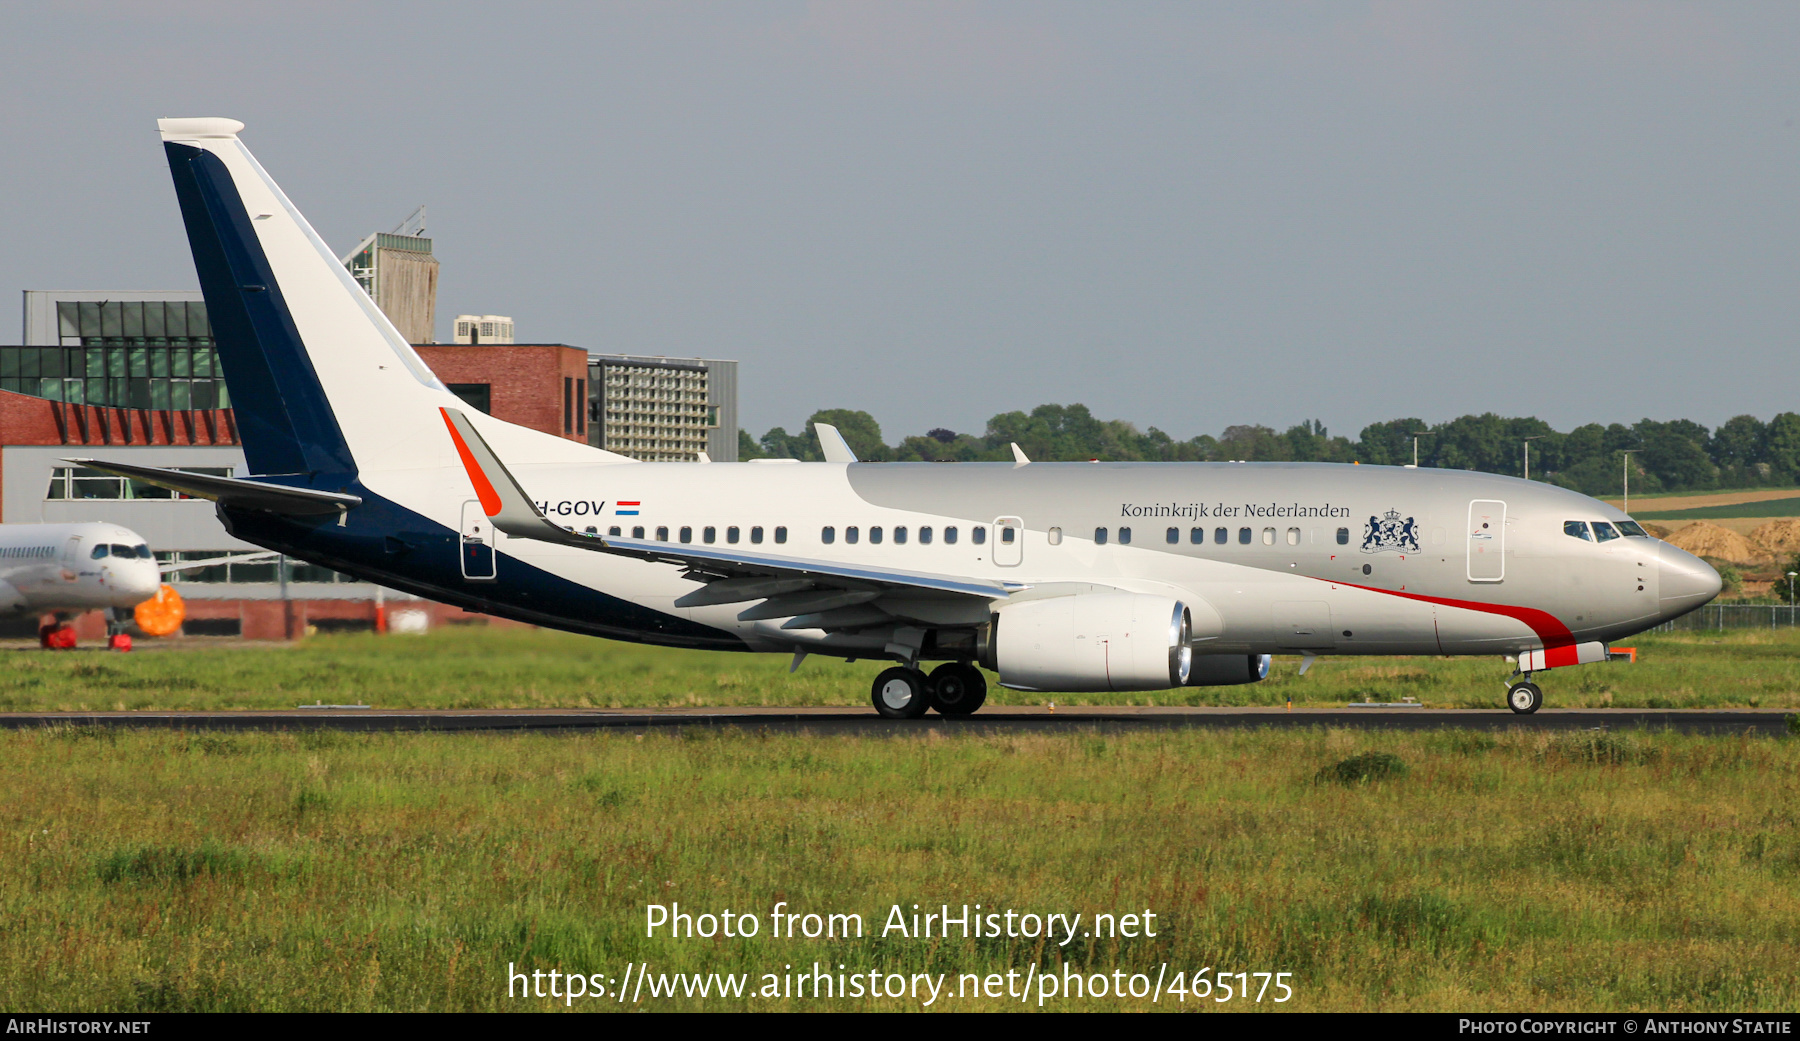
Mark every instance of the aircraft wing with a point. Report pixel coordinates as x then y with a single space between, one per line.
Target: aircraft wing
830 593
231 491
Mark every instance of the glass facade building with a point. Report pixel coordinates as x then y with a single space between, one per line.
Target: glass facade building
149 354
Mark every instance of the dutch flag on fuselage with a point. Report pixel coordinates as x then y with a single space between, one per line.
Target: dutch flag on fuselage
621 511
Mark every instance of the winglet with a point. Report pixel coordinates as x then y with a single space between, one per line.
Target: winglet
836 449
505 503
703 458
1019 455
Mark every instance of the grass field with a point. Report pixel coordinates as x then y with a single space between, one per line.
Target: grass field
471 667
1766 508
167 871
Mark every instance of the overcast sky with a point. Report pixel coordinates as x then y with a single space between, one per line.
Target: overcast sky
1184 215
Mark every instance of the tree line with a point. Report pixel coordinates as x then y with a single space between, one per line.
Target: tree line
1674 455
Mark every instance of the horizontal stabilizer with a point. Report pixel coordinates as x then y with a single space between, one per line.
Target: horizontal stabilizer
231 491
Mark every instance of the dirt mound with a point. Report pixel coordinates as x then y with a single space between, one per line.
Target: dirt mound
1709 540
1655 529
1778 538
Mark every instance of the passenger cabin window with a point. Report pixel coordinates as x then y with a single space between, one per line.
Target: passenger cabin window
828 534
1268 536
852 534
1124 536
1197 536
780 536
709 534
1293 536
1343 536
614 530
731 534
687 534
1007 534
1172 536
925 535
950 535
1244 536
1633 529
662 533
899 534
637 532
978 536
1099 536
875 535
756 535
1603 532
1221 535
1577 530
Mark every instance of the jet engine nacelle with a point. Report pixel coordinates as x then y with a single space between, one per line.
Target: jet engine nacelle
1224 670
1092 642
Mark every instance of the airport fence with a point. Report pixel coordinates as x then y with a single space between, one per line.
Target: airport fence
1736 616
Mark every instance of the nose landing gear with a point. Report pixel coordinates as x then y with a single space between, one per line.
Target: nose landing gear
1524 697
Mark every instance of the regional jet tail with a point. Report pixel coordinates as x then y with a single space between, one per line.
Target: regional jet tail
1058 577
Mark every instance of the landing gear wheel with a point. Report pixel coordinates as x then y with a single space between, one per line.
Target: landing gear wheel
899 693
957 689
1524 698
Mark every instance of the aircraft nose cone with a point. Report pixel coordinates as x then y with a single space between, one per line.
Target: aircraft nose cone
1684 581
139 585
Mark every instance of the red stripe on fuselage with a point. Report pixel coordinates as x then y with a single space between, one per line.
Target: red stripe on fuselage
484 489
1559 642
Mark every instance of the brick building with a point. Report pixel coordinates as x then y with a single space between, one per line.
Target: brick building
538 385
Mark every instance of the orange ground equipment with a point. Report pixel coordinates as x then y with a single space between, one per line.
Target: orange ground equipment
162 614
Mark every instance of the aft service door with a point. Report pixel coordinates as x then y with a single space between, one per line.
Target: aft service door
1487 540
477 543
1009 541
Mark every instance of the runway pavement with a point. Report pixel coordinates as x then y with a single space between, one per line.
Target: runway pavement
994 719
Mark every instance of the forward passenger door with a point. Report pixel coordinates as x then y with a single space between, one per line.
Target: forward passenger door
1487 540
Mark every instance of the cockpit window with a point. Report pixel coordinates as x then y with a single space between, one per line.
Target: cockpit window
99 551
1603 532
143 552
123 551
1632 528
1577 530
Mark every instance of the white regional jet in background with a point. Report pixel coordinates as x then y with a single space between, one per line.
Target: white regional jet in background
1059 577
71 568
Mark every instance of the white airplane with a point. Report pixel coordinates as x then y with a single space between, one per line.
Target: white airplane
73 567
1059 577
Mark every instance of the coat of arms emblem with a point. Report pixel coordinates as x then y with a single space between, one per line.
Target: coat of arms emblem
1391 532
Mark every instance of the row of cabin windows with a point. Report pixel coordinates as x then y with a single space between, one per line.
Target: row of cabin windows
854 534
828 534
877 534
1197 536
708 534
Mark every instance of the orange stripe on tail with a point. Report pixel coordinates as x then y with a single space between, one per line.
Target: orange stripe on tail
484 489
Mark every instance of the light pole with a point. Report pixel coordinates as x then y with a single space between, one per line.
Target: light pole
1791 575
1628 453
1528 441
1415 436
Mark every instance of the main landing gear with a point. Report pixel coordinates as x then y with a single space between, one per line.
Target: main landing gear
953 688
1524 697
